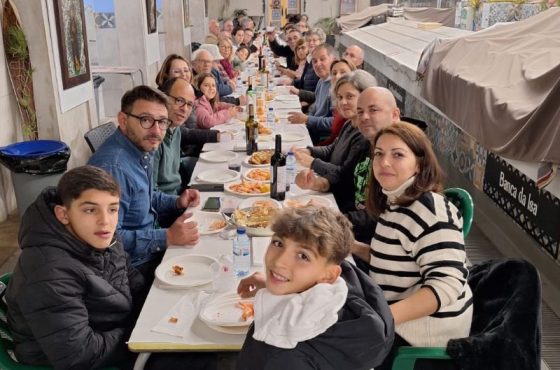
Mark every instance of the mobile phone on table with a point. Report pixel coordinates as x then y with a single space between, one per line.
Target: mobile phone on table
212 204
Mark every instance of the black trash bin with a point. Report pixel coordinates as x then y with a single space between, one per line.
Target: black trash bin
34 166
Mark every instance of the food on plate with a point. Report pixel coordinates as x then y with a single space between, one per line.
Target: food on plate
263 130
256 216
177 269
264 203
247 308
173 319
298 203
250 187
259 174
217 225
261 157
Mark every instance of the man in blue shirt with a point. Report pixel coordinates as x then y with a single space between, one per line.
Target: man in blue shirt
319 118
128 156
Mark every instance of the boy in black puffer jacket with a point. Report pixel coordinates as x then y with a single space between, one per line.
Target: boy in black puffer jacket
313 310
70 299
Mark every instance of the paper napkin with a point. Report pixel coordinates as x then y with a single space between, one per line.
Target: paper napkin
180 317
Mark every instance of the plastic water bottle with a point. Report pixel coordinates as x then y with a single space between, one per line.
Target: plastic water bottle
291 170
271 119
241 253
239 85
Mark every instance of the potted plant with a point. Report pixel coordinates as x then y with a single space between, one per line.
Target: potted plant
328 25
19 70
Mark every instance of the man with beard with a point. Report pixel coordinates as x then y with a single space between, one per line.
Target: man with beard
128 156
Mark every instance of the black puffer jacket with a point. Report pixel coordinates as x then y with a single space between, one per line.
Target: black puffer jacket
361 338
69 306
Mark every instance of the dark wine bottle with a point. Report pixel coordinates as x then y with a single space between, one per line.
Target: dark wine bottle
251 127
250 92
278 172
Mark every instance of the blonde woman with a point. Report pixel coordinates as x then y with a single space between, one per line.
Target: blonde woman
226 51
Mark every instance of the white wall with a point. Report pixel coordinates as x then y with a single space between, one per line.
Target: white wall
199 21
177 38
317 9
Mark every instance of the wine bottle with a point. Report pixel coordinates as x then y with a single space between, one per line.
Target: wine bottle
250 92
261 61
278 172
251 127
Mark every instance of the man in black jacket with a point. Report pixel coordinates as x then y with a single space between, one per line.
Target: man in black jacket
287 51
71 300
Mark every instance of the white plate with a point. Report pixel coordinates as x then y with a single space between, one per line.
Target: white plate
205 219
268 137
218 156
227 188
292 136
196 271
223 311
235 330
218 176
247 203
304 199
246 174
286 98
246 161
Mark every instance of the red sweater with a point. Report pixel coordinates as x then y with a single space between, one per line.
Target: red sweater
337 124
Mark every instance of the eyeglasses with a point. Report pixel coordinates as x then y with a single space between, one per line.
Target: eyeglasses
204 61
147 122
226 47
182 102
179 70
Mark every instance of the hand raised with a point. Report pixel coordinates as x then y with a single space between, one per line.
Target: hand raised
248 287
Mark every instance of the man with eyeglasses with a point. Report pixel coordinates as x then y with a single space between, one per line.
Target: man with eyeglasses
128 156
287 51
171 171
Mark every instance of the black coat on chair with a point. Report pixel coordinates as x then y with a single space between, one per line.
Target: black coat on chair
505 332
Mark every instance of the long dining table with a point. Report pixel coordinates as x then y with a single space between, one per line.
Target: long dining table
163 299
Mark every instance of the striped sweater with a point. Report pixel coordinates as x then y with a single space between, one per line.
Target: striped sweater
422 246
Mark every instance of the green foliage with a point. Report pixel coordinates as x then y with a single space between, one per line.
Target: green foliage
16 48
239 12
17 44
327 24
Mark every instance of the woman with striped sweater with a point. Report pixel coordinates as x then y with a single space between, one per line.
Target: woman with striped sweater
417 255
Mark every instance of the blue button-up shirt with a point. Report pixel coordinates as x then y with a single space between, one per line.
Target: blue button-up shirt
139 203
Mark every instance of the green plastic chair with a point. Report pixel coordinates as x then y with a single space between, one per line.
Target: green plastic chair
7 361
463 201
406 356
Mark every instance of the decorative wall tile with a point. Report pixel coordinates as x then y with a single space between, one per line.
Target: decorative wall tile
105 20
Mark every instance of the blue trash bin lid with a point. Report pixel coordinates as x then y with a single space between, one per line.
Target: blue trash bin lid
34 148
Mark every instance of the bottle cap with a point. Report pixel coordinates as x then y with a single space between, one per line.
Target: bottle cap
241 230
